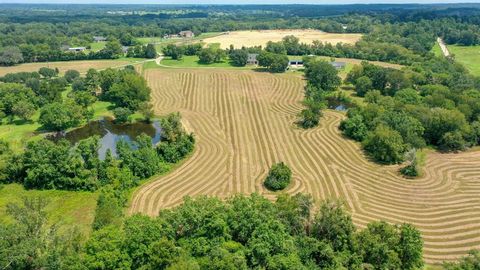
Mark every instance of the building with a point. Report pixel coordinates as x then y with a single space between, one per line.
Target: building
252 59
186 34
99 39
295 63
338 65
77 49
125 49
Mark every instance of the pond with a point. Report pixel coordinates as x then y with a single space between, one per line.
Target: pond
338 105
110 133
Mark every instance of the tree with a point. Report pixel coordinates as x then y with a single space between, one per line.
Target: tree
239 57
146 109
121 114
173 51
150 51
278 177
210 55
363 85
292 45
130 92
47 72
275 47
71 75
10 56
58 116
385 145
273 62
334 225
113 49
354 127
410 248
84 99
322 75
24 110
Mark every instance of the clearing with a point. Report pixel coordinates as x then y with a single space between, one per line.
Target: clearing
261 37
469 56
244 122
80 66
69 208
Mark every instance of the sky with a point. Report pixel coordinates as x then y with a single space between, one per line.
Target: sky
237 1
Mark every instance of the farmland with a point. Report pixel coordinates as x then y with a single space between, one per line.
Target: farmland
244 122
260 38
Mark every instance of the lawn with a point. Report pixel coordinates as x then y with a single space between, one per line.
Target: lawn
192 62
469 56
64 207
97 46
161 42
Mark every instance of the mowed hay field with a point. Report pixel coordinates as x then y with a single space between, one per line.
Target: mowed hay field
81 66
261 37
244 122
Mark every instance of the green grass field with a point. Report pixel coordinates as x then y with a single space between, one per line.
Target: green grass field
469 56
192 62
69 208
97 46
162 42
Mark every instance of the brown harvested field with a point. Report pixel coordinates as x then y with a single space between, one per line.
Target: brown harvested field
81 66
244 122
261 37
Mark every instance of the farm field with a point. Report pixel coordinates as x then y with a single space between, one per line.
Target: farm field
261 37
244 122
81 66
469 56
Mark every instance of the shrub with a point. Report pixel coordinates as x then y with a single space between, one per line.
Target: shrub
278 177
121 114
385 145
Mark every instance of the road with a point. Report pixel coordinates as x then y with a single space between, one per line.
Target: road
444 48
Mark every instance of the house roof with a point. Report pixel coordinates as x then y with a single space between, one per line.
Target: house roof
252 56
77 48
338 64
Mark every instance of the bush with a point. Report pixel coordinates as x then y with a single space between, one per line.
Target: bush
71 75
122 114
354 128
278 177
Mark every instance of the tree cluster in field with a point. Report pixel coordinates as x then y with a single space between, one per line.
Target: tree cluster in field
45 164
433 103
176 52
142 51
244 232
279 177
322 79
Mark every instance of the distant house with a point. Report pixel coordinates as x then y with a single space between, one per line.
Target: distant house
252 59
99 39
125 49
338 65
186 34
171 36
77 49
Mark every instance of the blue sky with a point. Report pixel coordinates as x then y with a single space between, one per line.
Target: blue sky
237 1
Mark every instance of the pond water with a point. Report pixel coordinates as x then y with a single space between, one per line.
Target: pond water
339 105
110 133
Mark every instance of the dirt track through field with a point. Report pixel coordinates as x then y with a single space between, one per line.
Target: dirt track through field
244 122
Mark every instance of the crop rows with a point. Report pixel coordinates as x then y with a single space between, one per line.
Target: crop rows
244 122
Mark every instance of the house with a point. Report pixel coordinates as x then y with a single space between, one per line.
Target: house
171 36
295 63
338 65
252 59
77 49
125 49
99 39
186 34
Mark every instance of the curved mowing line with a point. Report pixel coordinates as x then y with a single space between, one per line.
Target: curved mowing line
244 122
